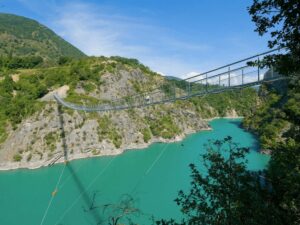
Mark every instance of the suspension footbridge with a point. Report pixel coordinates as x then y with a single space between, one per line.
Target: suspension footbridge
235 75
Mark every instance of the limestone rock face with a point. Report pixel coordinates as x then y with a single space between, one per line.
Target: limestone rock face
62 92
56 133
43 138
231 113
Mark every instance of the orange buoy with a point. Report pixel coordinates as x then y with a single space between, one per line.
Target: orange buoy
54 192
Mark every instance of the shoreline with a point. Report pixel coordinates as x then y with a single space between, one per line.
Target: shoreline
40 164
225 117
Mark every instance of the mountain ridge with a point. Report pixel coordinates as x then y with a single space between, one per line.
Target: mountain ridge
21 36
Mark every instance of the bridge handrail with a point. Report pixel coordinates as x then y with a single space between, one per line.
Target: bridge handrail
140 100
231 64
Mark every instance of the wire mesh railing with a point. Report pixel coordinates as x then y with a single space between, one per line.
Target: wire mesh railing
234 75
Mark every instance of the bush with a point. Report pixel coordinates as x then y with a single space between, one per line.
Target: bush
20 62
163 126
146 134
17 157
107 130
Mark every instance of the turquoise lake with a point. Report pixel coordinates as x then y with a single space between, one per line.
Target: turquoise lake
91 190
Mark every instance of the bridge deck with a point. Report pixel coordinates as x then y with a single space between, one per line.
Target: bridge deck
236 75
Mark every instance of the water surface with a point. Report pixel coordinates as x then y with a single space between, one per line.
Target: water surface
91 190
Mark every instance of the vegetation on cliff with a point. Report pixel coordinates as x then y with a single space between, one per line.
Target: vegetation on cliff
86 78
20 36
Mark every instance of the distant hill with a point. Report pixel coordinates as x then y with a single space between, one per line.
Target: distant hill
173 78
20 36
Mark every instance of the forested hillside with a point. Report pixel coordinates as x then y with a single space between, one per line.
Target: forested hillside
20 36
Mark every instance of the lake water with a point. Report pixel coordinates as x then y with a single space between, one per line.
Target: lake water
91 190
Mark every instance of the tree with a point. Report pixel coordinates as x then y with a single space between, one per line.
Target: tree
115 213
280 19
121 211
228 194
63 60
285 175
7 85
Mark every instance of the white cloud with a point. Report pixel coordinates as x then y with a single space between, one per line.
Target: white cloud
98 31
191 74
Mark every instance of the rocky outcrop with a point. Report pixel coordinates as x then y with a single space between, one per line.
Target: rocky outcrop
42 139
54 134
62 92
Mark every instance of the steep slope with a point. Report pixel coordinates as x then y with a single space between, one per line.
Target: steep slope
271 120
36 132
20 36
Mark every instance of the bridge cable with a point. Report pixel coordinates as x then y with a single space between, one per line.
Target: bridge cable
53 195
84 191
154 162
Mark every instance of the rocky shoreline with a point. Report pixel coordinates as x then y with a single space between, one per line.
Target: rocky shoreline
38 164
133 146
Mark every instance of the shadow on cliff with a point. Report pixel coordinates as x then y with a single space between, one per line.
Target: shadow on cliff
62 131
88 201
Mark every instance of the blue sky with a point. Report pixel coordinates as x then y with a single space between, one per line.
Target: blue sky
173 37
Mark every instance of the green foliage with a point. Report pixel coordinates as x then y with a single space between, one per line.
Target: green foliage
17 157
137 86
20 36
106 129
242 101
82 71
146 134
81 99
133 63
20 62
64 60
279 19
269 121
225 192
7 86
51 140
15 108
277 123
163 126
3 133
95 152
285 176
169 89
89 87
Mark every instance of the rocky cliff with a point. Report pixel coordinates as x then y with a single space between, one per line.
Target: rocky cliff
50 132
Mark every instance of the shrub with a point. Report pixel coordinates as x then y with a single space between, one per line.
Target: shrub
17 157
146 134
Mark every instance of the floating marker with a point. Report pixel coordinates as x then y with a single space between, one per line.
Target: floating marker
54 192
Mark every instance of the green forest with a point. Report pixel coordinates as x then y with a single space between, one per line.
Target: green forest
20 36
